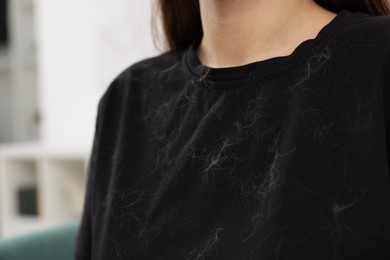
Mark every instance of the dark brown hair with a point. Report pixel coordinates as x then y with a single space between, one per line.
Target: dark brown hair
181 22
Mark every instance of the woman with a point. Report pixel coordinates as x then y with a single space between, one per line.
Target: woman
262 133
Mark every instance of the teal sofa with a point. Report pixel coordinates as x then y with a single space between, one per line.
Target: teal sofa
55 243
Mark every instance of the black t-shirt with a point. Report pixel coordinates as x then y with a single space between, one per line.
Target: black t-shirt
284 158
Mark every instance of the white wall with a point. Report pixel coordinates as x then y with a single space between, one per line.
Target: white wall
81 46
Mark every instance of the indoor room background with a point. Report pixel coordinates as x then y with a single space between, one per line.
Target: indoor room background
56 60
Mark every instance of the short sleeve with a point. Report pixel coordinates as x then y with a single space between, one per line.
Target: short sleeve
84 239
386 104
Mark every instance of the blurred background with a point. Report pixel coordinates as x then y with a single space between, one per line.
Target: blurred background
56 60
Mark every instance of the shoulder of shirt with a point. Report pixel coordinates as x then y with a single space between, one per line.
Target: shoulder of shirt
378 31
375 26
144 69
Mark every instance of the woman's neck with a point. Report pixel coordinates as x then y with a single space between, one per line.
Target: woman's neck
237 32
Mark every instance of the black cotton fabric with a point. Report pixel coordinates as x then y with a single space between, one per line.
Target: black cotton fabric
280 159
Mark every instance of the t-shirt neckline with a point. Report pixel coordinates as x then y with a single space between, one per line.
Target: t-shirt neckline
227 77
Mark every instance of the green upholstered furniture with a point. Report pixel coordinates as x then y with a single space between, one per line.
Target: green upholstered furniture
56 243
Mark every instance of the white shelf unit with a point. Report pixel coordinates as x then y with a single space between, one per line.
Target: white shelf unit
59 175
